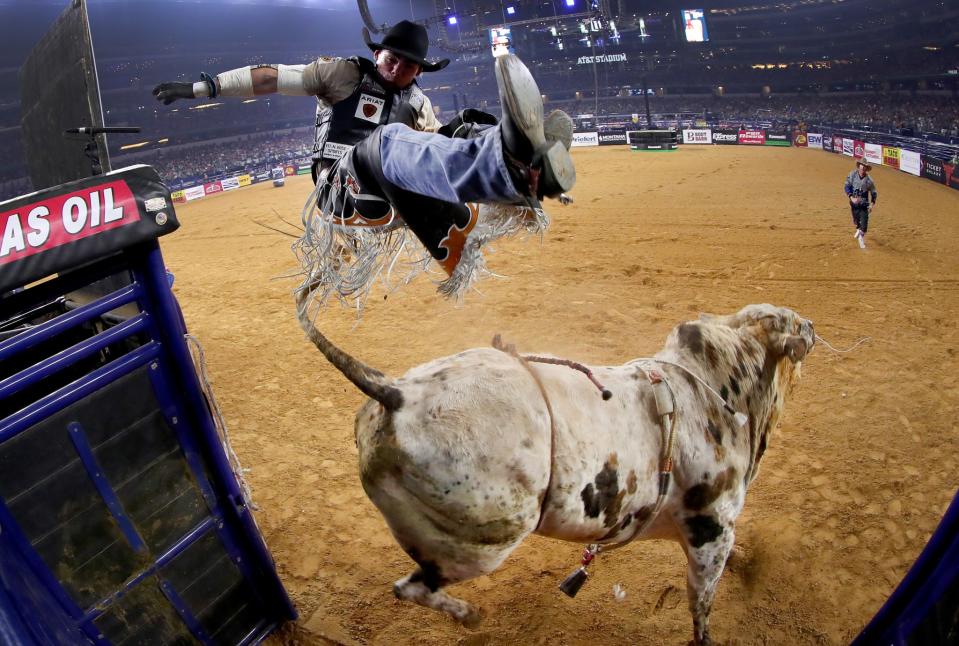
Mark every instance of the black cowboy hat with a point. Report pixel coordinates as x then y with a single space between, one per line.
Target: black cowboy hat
862 162
410 41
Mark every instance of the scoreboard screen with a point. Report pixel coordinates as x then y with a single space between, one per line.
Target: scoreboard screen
501 41
694 25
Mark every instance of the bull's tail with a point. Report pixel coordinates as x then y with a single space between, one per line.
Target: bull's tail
370 381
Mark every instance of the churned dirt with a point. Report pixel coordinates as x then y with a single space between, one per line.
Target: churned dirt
853 484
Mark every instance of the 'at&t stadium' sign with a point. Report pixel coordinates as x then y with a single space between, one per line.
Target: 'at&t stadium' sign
602 58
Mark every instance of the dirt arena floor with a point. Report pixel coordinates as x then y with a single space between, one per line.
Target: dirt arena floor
855 480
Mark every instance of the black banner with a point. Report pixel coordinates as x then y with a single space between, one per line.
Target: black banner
827 143
68 225
780 138
933 169
726 136
612 138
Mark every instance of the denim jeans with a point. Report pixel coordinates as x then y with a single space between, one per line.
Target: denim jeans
452 170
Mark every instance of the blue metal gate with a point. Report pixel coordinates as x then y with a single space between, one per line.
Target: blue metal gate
121 519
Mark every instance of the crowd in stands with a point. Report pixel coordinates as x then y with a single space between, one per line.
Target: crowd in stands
928 113
221 157
196 161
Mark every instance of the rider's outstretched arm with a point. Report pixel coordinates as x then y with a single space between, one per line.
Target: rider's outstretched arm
249 81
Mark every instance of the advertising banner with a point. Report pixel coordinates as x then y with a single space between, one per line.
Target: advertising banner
178 197
62 218
585 139
800 139
848 147
697 136
193 193
230 183
858 149
261 176
952 177
212 187
872 153
304 169
778 138
752 137
890 156
815 140
839 147
289 170
909 161
245 180
612 138
725 137
933 169
75 223
827 144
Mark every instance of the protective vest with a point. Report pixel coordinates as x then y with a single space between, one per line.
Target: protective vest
340 126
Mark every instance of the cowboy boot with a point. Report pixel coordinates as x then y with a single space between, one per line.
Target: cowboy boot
538 168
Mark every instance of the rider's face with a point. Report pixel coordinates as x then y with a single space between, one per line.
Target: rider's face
395 69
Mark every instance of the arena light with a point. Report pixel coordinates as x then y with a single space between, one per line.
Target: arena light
139 144
451 20
249 100
204 106
570 3
164 140
510 10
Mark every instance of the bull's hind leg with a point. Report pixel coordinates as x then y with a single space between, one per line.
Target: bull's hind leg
425 585
422 588
708 544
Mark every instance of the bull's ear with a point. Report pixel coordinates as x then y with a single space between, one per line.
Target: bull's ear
795 347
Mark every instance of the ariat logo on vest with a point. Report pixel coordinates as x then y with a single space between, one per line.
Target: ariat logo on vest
369 108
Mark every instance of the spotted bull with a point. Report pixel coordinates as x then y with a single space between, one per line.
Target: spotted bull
467 455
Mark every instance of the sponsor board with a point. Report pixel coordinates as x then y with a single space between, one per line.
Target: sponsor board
890 156
697 136
933 169
800 139
815 140
774 138
178 197
193 193
289 170
752 137
952 177
230 183
585 139
245 180
212 187
725 137
304 169
59 220
612 138
858 149
909 162
837 145
847 147
827 142
261 177
872 153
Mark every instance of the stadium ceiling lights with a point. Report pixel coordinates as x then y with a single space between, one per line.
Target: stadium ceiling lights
451 20
570 3
511 10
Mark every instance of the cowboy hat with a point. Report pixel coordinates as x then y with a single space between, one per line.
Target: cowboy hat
862 162
408 40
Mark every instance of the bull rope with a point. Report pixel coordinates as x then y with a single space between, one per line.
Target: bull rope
510 349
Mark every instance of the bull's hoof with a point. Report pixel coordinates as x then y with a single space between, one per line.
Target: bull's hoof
472 618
